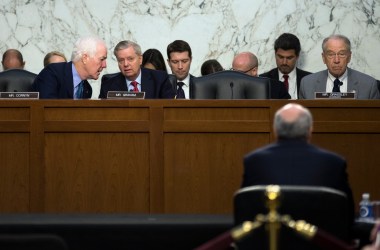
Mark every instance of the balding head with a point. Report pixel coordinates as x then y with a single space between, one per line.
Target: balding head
246 62
293 121
12 59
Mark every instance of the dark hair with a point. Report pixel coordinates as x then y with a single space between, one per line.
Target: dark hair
288 41
178 46
210 66
154 57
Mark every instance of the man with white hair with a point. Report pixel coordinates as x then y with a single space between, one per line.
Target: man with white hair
69 80
293 160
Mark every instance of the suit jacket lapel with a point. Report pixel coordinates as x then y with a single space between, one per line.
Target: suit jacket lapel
121 83
69 85
147 84
321 82
352 82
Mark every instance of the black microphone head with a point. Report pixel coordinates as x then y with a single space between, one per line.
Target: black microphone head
231 84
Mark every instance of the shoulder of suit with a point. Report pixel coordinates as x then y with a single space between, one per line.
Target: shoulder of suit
360 75
302 72
269 73
315 75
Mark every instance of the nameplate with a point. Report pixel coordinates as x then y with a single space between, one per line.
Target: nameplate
125 95
335 95
19 95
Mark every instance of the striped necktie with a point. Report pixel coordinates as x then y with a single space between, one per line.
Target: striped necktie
79 92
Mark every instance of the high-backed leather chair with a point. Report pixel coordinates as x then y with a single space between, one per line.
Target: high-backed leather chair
173 81
323 207
32 242
229 84
16 80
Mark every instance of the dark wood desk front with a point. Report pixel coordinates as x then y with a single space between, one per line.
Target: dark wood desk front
159 156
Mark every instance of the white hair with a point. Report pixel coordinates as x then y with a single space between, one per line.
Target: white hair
86 45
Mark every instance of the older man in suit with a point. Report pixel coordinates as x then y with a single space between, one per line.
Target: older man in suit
69 80
155 83
338 77
292 160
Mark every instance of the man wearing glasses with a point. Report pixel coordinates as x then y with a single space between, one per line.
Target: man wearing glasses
247 63
338 77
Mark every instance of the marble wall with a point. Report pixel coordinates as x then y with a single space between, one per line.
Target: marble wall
214 28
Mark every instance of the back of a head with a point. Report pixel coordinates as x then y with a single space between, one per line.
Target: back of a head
293 121
154 57
211 66
178 46
86 45
288 41
53 57
12 59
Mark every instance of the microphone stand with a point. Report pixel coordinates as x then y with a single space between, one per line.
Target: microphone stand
273 220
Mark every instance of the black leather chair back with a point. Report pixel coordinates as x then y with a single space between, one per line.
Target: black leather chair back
324 207
230 84
32 242
16 80
173 81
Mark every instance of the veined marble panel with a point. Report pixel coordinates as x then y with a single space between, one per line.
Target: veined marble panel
214 29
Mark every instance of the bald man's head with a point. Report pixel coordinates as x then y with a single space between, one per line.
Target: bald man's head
246 62
12 59
293 121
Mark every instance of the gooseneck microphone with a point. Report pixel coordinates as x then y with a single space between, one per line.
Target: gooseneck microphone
232 90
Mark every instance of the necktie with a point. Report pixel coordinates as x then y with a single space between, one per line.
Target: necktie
180 92
135 88
337 85
79 92
286 82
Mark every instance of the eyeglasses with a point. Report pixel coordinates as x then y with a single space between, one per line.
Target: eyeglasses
243 71
340 54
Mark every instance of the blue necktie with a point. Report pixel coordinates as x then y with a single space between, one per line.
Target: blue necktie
79 92
337 85
180 92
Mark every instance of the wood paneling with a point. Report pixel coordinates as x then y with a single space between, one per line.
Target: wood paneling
159 156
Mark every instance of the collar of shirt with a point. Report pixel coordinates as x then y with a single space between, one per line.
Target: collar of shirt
138 80
292 80
76 77
331 79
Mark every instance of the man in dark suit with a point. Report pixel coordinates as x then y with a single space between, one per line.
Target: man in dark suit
179 59
338 77
292 160
155 83
246 62
287 49
69 80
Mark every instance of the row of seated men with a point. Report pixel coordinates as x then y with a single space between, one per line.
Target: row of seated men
69 80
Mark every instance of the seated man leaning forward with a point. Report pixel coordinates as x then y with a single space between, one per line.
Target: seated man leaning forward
68 80
338 77
155 83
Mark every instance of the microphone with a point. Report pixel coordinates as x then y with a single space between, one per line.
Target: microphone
232 90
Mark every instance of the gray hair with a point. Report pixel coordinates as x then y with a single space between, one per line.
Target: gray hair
298 128
86 45
126 44
336 37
